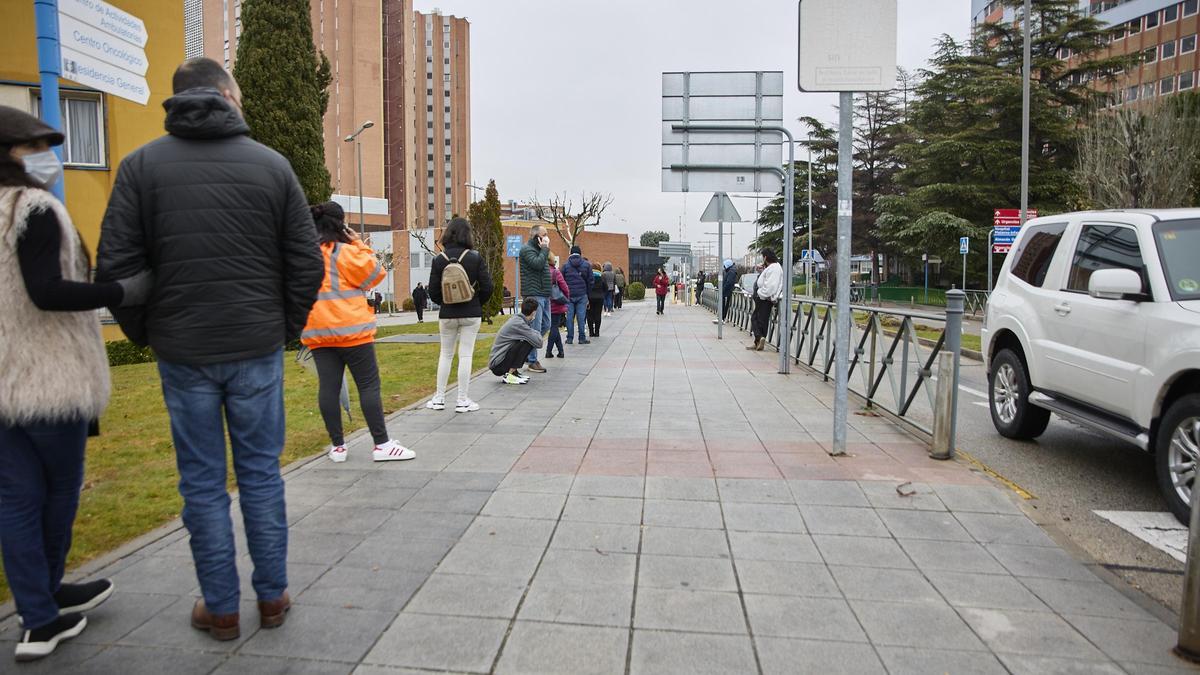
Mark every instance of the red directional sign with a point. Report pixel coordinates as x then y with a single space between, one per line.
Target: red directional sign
1001 217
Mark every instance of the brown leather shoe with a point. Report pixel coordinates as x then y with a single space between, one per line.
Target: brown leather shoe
761 345
272 613
221 627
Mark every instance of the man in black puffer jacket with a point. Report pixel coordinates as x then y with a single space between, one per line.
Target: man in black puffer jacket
224 225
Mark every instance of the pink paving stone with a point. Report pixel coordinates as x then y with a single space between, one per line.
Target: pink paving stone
734 445
794 446
806 459
536 465
612 469
951 475
748 471
544 441
816 472
678 456
618 444
679 469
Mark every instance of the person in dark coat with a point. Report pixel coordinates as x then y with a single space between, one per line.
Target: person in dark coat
662 286
727 285
458 322
577 272
222 222
535 283
596 295
699 287
420 298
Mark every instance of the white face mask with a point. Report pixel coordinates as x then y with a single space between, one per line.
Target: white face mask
43 167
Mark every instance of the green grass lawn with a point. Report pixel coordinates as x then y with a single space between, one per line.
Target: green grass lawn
431 328
130 481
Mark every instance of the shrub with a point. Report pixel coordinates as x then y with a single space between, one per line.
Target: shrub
125 353
408 305
635 291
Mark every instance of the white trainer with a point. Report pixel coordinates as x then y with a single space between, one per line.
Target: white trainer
338 453
392 452
510 378
466 406
436 404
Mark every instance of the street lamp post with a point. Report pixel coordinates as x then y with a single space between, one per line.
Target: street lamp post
811 257
1025 75
353 138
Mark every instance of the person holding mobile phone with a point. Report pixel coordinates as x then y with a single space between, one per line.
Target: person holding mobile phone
535 283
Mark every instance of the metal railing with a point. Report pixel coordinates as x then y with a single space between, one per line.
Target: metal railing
892 364
976 303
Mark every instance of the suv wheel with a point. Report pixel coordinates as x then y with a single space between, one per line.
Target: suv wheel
1008 395
1176 452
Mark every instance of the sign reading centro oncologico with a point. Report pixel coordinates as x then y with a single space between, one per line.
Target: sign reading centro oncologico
102 47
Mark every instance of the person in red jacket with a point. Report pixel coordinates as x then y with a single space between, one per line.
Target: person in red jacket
662 286
558 308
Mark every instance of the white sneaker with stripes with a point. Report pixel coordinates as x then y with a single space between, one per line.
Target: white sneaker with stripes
391 452
466 405
338 453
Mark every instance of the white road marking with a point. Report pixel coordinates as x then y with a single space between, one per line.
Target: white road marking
981 404
973 392
1160 530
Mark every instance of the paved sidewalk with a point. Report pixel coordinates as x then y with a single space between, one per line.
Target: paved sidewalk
659 502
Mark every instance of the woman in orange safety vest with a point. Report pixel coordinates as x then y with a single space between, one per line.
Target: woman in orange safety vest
341 333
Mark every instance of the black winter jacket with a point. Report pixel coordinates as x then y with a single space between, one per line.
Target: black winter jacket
224 225
477 272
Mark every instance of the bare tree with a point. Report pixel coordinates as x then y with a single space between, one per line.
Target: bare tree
568 220
1134 158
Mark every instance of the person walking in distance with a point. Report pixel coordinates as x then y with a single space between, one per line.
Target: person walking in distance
560 297
620 290
341 334
515 340
458 282
662 286
54 384
699 287
577 272
420 297
610 284
728 281
378 300
535 283
596 297
768 289
233 285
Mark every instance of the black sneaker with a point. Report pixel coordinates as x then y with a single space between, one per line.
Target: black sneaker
72 598
41 642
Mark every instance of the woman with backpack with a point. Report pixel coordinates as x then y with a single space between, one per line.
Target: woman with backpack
341 334
560 295
458 282
596 295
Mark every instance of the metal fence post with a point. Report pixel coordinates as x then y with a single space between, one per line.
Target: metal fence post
1188 646
945 418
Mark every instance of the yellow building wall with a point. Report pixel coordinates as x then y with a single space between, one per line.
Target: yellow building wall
127 125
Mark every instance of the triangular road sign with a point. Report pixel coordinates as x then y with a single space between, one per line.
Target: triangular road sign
720 210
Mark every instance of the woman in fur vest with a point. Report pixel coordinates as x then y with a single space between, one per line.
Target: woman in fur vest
53 383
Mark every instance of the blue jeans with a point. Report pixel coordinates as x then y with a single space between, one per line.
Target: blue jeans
541 321
577 315
41 473
608 301
248 396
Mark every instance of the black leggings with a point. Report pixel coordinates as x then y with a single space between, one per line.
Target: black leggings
661 300
595 307
555 336
516 356
331 366
761 319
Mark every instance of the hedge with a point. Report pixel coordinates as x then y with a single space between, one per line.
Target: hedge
635 291
125 353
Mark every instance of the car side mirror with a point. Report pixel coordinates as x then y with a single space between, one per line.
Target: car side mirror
1114 284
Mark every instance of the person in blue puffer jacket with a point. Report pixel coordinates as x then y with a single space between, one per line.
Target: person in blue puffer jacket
578 274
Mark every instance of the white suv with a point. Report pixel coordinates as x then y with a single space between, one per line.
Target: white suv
1096 317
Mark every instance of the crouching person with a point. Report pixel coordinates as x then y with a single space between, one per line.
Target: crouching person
514 343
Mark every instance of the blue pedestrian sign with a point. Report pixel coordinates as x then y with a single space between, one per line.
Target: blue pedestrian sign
512 245
963 245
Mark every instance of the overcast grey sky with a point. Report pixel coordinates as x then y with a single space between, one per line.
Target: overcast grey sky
565 94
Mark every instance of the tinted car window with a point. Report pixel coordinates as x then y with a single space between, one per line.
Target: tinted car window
1179 248
1105 247
1033 256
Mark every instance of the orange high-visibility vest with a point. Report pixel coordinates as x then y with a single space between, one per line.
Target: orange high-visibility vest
341 316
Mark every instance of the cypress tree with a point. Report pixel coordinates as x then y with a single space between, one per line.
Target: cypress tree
283 86
489 241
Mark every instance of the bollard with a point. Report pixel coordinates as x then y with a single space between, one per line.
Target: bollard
1188 646
947 392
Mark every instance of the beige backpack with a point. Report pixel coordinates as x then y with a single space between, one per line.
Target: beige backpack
456 284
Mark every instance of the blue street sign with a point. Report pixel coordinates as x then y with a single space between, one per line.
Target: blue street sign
1005 234
512 245
963 245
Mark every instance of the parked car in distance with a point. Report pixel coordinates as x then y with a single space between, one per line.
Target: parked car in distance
1095 317
746 283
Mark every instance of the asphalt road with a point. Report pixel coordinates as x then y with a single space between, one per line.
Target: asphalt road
1071 472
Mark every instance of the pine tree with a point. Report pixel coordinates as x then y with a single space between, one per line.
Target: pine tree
284 87
653 238
488 234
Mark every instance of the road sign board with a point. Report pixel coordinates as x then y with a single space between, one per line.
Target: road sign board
813 255
94 42
1001 248
113 21
847 45
723 99
84 69
101 46
720 210
1010 216
674 249
963 245
512 245
1005 234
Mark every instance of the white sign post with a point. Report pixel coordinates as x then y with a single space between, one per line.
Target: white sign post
720 209
846 46
102 47
964 245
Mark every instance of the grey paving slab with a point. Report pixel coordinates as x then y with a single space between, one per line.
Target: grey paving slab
164 629
555 648
681 513
752 517
803 617
607 537
860 522
989 591
244 664
828 493
496 560
70 658
700 611
1128 640
609 486
875 583
911 661
512 531
433 642
378 588
1038 633
445 500
976 498
678 572
863 551
953 556
418 525
665 487
567 565
1023 664
901 495
775 577
925 626
464 595
991 528
912 524
754 490
1085 598
162 575
603 509
773 546
1039 561
467 480
789 655
578 602
336 519
524 505
307 634
127 660
117 617
402 555
537 482
670 653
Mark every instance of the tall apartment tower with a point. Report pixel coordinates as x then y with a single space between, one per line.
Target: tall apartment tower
442 151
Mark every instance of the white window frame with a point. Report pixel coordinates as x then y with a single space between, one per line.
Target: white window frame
1165 20
1191 84
1184 10
1163 85
1182 40
1162 50
65 95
